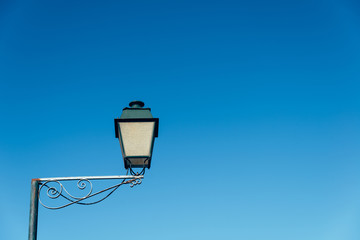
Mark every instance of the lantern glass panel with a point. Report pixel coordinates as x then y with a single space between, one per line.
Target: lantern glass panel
137 139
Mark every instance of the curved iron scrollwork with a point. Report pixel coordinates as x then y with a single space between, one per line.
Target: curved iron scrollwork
132 172
54 192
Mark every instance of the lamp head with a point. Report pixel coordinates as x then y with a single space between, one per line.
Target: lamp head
136 130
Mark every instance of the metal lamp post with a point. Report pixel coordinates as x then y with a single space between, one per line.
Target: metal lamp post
136 130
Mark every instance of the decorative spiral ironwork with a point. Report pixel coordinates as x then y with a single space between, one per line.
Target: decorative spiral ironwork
54 192
137 181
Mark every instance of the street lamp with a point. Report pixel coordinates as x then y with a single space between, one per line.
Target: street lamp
136 129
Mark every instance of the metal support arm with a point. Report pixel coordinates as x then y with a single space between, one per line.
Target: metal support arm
83 183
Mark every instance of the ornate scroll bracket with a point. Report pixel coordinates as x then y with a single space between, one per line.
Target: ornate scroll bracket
55 189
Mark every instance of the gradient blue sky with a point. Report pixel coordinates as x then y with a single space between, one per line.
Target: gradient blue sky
258 104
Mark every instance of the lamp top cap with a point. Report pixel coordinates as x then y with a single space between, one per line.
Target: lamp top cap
136 104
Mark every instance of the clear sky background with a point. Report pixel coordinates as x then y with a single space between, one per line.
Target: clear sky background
258 103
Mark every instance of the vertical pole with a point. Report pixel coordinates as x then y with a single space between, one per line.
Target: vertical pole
34 203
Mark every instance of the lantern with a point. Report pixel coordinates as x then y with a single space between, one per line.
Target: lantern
136 130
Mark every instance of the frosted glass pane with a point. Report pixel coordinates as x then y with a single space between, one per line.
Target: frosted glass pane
137 137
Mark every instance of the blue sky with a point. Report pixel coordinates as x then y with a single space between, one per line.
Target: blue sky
259 116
